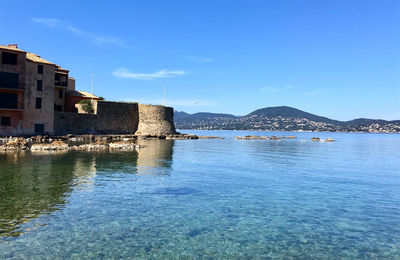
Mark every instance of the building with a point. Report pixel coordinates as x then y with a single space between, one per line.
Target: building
31 89
38 97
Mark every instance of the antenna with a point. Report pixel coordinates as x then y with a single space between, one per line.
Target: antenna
92 86
165 89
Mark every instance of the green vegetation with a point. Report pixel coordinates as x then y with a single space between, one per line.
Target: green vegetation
87 106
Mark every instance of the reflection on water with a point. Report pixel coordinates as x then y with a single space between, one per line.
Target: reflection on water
33 185
155 154
221 199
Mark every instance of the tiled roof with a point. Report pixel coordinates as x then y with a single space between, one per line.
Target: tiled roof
36 58
29 56
11 48
81 94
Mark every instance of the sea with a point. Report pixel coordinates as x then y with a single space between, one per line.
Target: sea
207 199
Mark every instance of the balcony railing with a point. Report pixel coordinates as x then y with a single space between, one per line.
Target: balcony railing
60 83
19 106
12 88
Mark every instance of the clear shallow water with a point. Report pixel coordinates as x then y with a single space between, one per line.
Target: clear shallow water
232 199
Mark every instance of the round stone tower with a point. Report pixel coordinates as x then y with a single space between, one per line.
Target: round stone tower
155 120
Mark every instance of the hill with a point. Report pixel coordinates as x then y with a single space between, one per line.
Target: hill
281 118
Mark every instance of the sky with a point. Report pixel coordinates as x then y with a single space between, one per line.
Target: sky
339 59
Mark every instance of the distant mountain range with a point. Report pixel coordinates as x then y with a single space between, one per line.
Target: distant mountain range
281 118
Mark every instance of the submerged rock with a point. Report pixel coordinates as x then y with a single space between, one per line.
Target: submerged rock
250 137
211 137
122 145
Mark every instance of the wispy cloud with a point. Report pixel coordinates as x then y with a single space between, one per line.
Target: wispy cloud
47 21
164 73
199 59
64 25
268 90
173 102
315 92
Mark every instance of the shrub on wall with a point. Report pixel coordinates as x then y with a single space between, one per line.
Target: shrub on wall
87 106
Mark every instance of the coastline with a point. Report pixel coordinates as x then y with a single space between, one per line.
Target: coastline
86 142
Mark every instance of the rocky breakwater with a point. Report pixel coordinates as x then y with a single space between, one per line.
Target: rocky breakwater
256 137
189 136
59 145
317 139
155 121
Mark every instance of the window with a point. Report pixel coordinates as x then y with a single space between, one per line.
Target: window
60 93
38 103
6 120
39 85
9 58
8 80
40 69
39 128
8 100
57 107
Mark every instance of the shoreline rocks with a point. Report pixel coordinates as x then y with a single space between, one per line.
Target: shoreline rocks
111 142
85 142
54 146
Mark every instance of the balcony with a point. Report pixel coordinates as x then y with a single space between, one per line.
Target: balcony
10 81
60 83
61 79
11 101
12 106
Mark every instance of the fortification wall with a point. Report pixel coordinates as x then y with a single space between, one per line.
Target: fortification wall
117 117
155 120
111 118
74 123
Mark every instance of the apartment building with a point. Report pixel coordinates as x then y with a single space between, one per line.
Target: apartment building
31 89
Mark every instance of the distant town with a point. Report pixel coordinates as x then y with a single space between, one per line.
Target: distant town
281 119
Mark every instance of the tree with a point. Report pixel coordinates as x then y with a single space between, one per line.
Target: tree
87 106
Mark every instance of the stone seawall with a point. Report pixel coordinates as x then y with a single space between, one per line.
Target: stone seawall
111 118
155 120
118 118
73 123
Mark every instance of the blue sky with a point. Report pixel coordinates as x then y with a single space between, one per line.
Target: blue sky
339 59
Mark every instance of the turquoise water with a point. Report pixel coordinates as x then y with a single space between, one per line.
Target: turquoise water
207 199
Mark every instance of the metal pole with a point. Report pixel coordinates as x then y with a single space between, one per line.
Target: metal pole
165 101
92 86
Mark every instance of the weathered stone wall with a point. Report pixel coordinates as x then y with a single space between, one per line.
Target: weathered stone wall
155 120
111 118
117 117
74 123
